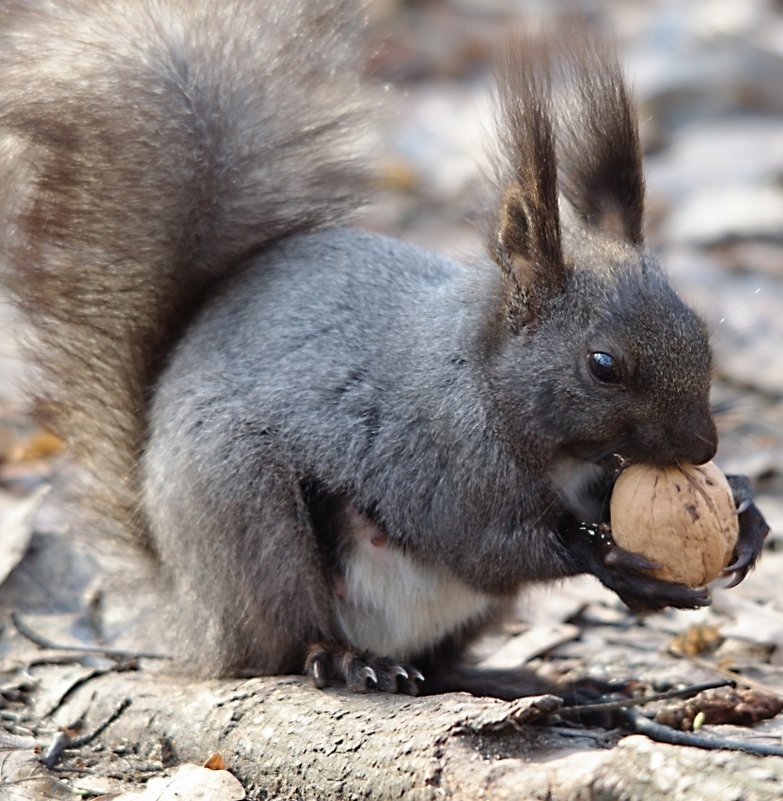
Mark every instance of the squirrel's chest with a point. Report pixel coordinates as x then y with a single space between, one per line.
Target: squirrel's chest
393 604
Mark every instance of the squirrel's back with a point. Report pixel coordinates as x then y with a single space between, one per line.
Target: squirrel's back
148 149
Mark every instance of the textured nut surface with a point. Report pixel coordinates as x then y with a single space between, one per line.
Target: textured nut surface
683 518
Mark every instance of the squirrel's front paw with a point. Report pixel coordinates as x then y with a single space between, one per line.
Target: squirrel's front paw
360 673
625 572
753 530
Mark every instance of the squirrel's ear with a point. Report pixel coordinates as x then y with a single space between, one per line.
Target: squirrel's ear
524 236
601 172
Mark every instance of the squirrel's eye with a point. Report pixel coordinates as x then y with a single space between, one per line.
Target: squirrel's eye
605 367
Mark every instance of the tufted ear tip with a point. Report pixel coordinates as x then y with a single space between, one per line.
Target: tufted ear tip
567 133
601 172
525 236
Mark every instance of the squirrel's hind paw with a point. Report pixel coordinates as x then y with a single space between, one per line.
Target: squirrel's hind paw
360 673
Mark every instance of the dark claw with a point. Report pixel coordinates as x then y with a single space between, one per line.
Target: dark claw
360 673
358 676
744 505
317 666
739 576
398 670
753 530
389 675
416 675
741 491
368 675
410 683
744 557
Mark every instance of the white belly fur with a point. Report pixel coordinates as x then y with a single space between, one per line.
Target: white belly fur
394 605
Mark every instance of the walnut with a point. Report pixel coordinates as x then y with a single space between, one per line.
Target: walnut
682 518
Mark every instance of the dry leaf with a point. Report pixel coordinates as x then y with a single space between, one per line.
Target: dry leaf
190 783
696 640
40 446
215 762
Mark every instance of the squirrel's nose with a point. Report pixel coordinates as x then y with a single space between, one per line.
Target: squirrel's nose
701 452
694 442
697 444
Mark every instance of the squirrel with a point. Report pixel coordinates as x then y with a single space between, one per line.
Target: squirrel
347 455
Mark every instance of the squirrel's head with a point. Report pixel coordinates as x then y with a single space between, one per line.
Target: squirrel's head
590 341
623 365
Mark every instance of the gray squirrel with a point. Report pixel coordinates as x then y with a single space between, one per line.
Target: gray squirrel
346 455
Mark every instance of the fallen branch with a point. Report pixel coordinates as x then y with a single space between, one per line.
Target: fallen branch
94 650
580 710
640 723
65 738
283 738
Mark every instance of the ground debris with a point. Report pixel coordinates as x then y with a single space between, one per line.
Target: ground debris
738 705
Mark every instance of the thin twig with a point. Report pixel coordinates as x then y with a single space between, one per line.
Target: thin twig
64 740
95 650
641 724
627 703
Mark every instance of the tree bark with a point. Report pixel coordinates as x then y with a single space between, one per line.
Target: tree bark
286 740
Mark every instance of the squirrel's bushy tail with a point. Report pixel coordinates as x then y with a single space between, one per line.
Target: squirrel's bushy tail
147 148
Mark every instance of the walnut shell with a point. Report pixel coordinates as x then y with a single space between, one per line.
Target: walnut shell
683 518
